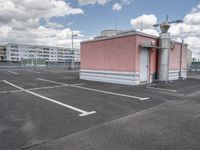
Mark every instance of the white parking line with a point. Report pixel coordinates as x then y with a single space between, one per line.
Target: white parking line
53 71
161 89
96 90
41 79
15 73
82 112
47 87
76 84
32 71
34 89
112 93
6 92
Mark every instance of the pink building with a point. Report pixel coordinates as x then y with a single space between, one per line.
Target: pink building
129 58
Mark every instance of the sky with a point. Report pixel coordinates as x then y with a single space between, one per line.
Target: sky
51 22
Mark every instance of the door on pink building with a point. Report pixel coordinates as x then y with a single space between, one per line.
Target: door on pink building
144 65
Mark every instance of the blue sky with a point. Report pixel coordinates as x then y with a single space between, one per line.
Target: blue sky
51 22
98 17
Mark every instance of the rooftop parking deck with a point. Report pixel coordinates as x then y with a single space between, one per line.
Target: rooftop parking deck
50 109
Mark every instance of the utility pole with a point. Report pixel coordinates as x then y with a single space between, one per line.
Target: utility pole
181 54
73 35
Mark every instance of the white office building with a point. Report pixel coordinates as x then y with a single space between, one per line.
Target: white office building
19 52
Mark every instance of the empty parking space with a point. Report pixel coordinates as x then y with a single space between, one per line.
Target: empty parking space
82 112
96 90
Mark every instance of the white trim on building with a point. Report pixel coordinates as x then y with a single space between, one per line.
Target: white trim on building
128 78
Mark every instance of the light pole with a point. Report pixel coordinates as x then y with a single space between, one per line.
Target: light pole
73 35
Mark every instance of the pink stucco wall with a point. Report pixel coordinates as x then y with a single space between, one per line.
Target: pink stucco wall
116 54
184 57
174 59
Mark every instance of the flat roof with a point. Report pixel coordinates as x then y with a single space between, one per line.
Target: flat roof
127 33
121 34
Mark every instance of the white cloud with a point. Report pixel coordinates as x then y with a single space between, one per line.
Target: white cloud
144 21
116 7
54 25
87 2
189 30
25 9
41 36
127 2
193 18
20 21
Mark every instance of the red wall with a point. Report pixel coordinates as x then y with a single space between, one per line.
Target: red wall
109 55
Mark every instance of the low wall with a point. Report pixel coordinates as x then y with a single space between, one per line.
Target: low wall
19 65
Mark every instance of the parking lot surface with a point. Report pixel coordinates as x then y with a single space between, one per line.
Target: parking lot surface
50 109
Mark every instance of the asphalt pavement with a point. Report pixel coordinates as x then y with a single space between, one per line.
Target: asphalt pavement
54 110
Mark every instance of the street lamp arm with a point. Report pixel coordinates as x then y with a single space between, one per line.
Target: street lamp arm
176 21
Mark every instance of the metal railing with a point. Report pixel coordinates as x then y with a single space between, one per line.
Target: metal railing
35 65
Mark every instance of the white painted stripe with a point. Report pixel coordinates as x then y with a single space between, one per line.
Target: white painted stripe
83 113
46 80
13 72
110 72
4 92
112 93
34 89
13 91
77 84
161 89
47 87
32 71
95 90
53 71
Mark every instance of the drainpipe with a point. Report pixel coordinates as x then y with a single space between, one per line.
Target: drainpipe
181 54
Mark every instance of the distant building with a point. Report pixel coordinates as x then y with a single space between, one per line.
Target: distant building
2 53
18 52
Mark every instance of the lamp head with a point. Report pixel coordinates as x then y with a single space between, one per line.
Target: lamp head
164 27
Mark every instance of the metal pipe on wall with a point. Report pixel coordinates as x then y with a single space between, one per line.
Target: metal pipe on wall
163 57
181 54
